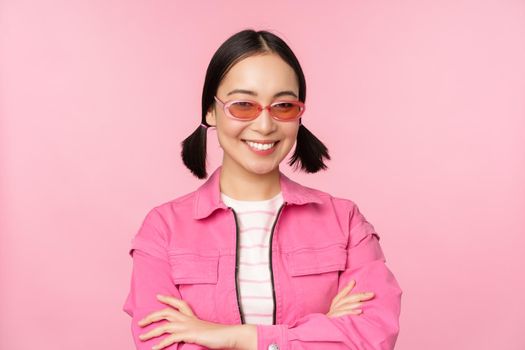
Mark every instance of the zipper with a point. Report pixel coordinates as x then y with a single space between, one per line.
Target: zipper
270 263
271 267
237 264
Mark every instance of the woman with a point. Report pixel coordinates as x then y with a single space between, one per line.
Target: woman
252 259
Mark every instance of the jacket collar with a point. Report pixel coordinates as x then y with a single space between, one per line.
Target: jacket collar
208 195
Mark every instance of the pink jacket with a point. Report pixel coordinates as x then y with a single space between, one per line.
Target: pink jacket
187 248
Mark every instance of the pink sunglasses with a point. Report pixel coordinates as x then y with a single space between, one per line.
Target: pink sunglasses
247 110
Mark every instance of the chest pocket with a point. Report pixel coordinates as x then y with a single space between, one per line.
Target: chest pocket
188 268
315 275
195 275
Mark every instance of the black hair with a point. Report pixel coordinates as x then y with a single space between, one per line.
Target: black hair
309 150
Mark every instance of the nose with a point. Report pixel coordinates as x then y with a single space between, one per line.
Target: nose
264 123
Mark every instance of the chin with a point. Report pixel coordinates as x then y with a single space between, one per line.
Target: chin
261 169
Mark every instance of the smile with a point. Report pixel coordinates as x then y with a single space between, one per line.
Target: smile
260 146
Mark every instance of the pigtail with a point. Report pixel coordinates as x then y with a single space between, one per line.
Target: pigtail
309 152
194 152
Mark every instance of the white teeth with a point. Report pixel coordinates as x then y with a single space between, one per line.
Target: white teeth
260 146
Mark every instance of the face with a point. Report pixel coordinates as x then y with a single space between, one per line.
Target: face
265 76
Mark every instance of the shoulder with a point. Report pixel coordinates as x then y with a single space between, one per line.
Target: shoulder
347 210
176 206
163 213
328 199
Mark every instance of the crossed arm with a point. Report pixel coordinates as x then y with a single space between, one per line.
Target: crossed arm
376 328
151 277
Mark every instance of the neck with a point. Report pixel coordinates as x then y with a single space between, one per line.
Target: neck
240 184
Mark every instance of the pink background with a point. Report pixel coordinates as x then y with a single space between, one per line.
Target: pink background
421 104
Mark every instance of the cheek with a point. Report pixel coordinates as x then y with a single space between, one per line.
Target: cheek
230 129
290 134
229 135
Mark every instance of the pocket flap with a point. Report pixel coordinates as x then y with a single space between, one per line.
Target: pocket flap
188 268
317 260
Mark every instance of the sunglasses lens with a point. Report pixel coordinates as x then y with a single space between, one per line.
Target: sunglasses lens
286 110
244 110
247 110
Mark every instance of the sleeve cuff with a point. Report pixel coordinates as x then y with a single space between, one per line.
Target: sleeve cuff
271 337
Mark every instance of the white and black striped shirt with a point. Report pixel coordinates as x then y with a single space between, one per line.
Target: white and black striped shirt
255 219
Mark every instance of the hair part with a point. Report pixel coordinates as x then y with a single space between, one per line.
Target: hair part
309 150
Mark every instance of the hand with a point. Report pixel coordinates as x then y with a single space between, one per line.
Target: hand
343 304
184 326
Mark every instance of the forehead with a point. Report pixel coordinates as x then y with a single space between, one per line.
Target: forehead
264 74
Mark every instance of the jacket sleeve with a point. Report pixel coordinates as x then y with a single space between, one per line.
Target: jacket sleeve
376 328
150 276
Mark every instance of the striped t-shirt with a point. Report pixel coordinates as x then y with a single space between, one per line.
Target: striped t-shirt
255 220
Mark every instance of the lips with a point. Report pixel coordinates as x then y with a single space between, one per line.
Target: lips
262 142
261 145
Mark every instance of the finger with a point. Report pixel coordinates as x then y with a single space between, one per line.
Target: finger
177 303
347 312
170 315
149 317
343 295
174 338
346 306
349 305
343 291
164 314
358 297
155 332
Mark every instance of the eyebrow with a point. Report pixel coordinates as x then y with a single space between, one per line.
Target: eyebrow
253 93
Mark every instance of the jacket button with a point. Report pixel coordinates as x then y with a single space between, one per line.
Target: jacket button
273 346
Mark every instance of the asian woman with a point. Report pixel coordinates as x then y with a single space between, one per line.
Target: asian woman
252 259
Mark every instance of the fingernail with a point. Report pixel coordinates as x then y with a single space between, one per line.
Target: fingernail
160 296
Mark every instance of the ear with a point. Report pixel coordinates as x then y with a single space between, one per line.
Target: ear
211 119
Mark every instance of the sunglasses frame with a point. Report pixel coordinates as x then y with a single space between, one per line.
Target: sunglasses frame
227 104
